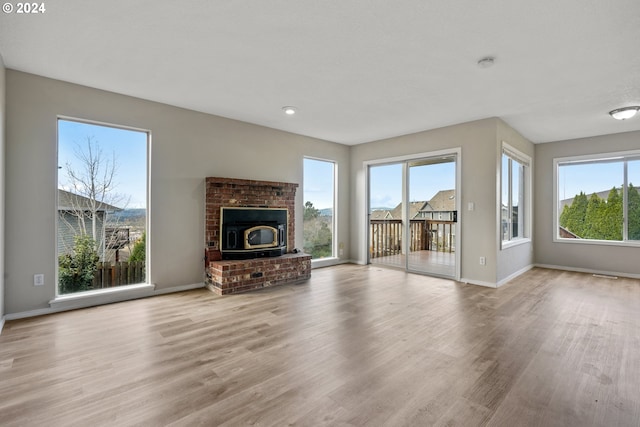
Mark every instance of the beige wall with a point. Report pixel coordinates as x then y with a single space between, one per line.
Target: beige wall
515 259
477 141
2 186
186 147
600 258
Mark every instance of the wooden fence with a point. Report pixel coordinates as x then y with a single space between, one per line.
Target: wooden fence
109 275
386 236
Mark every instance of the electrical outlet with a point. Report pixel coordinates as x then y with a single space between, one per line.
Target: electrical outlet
38 280
483 261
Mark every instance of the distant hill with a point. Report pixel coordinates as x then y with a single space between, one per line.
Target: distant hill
128 217
326 212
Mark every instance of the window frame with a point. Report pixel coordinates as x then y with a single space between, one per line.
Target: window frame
513 154
608 157
103 295
335 251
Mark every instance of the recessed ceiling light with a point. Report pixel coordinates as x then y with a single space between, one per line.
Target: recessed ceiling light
624 113
486 62
289 111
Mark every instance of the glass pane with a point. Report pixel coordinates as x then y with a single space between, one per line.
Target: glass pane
318 220
432 216
517 199
385 215
102 206
505 218
590 200
633 172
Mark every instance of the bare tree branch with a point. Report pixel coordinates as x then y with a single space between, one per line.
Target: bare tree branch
92 180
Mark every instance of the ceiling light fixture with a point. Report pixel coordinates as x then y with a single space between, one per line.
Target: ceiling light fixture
624 113
486 62
289 111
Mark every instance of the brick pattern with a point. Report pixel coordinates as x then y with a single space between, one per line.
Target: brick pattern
230 192
233 276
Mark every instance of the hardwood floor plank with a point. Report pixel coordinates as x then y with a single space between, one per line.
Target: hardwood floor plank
353 346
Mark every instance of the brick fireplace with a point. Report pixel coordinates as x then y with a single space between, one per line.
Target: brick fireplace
234 276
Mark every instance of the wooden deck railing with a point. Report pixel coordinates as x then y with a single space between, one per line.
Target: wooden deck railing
110 275
433 235
441 235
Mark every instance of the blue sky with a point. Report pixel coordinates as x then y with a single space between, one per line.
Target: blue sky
130 148
595 177
385 186
386 183
318 183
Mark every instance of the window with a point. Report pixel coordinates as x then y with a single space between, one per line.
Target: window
515 189
597 199
102 206
319 203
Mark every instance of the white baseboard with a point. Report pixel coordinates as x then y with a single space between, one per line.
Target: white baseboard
178 288
514 275
101 296
479 283
106 296
588 270
1 323
326 262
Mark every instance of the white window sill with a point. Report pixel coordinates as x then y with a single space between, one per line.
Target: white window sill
506 244
101 296
628 243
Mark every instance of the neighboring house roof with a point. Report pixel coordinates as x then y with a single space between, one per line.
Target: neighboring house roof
380 214
443 201
396 213
68 201
566 234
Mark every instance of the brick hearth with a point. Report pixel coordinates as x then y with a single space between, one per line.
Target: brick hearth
233 276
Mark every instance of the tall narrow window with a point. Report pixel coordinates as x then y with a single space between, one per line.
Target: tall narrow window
102 206
319 208
514 193
598 199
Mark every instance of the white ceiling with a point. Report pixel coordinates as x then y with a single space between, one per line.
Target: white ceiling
358 70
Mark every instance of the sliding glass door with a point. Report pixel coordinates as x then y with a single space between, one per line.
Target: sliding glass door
386 229
413 214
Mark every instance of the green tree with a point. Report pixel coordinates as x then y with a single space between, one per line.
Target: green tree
318 237
611 217
564 216
310 212
573 217
594 218
633 206
139 251
77 270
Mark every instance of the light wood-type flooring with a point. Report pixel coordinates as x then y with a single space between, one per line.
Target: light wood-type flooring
353 346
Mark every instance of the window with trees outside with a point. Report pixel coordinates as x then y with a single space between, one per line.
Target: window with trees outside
515 188
319 201
101 206
597 199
